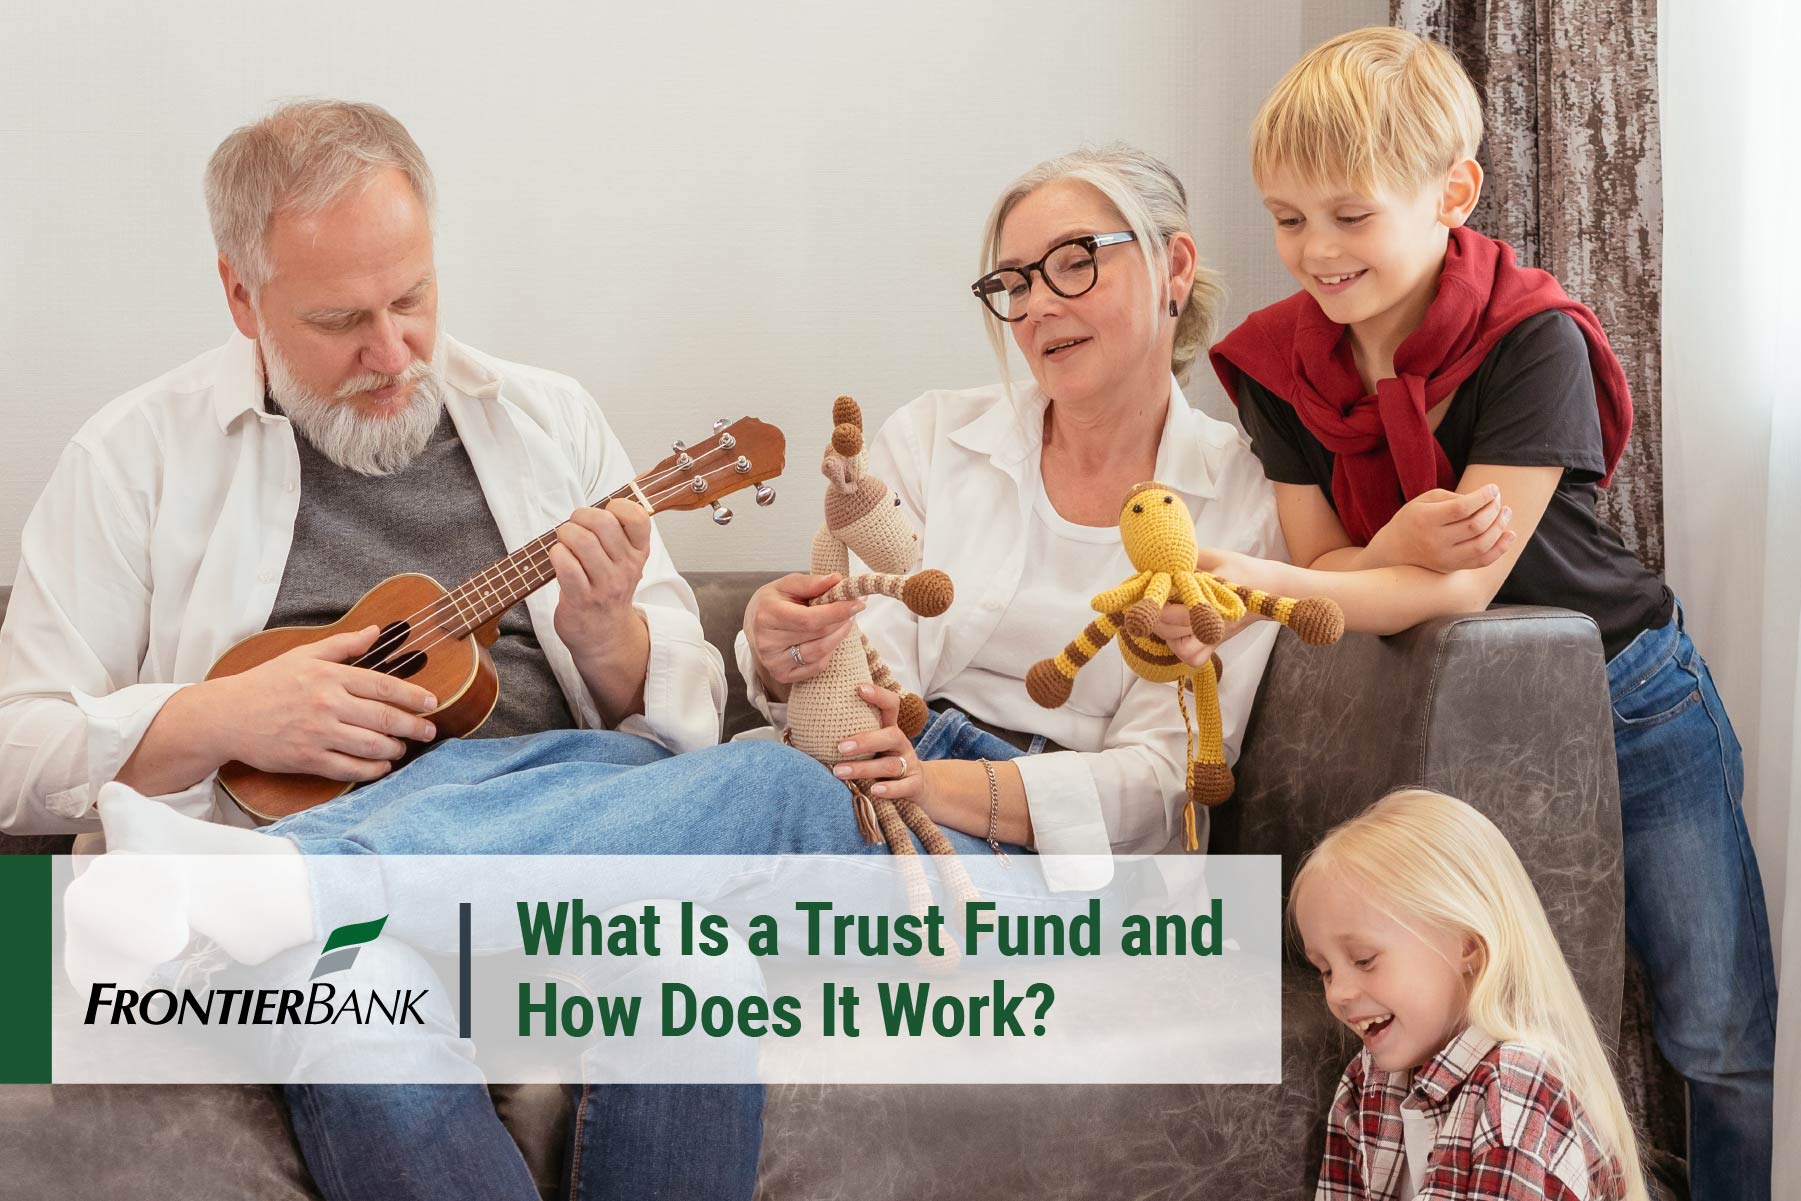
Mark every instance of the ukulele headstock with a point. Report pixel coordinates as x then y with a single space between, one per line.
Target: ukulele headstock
744 454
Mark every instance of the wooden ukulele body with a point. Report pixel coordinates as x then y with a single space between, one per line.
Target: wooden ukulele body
438 637
455 668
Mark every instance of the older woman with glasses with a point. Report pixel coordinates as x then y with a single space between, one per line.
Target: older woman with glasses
1089 264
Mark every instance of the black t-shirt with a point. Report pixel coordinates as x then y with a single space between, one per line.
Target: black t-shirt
1530 404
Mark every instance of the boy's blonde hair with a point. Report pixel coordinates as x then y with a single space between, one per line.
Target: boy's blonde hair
1154 205
1429 860
1372 108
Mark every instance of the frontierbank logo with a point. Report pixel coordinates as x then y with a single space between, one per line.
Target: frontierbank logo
319 1004
341 948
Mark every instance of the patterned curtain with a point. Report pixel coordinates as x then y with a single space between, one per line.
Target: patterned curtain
1574 183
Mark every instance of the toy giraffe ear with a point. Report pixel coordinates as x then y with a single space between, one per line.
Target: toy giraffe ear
837 469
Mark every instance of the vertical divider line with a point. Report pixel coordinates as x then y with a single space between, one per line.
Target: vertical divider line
463 1011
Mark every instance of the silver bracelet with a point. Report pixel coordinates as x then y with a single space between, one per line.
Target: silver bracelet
994 811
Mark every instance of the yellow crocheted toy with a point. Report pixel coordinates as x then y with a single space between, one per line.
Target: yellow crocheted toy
1158 533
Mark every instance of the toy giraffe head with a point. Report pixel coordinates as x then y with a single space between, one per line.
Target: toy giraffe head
1157 529
860 511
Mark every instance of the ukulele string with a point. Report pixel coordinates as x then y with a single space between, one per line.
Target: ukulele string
437 608
538 556
533 561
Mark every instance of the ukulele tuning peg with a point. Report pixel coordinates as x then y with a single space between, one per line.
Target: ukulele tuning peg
720 424
765 495
678 446
721 514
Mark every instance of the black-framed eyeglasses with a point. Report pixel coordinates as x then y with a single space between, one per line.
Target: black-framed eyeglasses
1069 269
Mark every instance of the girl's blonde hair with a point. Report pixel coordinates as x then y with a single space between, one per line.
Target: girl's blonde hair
1154 206
1370 108
1428 859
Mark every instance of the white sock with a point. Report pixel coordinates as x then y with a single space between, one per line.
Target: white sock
121 917
246 891
133 822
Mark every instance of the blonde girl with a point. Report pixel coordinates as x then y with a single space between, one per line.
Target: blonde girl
1481 1073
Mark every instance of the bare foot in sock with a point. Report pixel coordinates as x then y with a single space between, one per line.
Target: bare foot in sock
246 891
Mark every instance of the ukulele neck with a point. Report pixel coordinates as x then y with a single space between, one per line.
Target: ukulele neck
490 592
743 454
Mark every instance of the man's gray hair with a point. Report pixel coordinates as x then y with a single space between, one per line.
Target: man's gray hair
300 158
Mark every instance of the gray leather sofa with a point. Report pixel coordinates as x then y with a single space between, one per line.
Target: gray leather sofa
1507 709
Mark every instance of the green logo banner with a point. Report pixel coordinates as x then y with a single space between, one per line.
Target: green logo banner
25 898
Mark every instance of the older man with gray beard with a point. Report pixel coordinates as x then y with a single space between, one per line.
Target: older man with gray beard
341 439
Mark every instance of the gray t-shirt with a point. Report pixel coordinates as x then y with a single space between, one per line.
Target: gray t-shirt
354 531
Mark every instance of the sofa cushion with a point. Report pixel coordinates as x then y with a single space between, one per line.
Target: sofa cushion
1056 1142
722 596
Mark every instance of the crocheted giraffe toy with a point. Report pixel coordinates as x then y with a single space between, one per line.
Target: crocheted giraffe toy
863 516
1158 533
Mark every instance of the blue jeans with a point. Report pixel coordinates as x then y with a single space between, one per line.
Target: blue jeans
443 1140
1695 905
950 735
575 792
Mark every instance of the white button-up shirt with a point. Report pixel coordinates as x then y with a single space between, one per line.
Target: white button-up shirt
965 465
161 539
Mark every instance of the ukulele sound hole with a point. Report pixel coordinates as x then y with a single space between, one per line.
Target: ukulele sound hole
388 641
404 666
392 637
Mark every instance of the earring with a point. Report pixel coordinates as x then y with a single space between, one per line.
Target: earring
1173 311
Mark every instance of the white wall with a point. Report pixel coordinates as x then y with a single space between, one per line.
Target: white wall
696 209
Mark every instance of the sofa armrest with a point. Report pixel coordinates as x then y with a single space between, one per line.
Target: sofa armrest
36 844
1506 709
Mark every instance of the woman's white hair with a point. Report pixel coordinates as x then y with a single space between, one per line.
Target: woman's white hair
300 157
1155 208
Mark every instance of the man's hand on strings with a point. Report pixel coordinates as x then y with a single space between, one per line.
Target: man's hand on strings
599 558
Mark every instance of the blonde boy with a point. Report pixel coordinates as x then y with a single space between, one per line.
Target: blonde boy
1435 419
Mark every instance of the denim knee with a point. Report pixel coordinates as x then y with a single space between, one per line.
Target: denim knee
783 800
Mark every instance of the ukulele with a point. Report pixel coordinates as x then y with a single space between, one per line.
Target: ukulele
438 637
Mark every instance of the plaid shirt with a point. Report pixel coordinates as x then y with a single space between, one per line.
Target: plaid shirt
1507 1130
